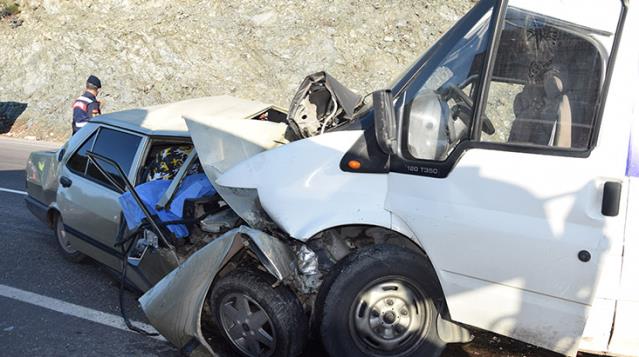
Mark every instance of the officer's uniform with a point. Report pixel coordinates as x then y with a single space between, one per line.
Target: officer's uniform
86 106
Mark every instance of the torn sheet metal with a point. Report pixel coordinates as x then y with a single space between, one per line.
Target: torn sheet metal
320 103
221 143
174 305
308 267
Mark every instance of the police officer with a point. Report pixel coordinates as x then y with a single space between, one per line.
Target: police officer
87 105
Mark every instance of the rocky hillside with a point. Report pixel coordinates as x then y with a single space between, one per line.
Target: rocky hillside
150 52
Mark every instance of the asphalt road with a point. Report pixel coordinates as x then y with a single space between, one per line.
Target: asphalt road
30 262
51 307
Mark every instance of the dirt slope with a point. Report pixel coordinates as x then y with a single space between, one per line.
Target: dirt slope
150 52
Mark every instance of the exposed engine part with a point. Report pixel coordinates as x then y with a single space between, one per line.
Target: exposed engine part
321 103
219 222
246 203
308 268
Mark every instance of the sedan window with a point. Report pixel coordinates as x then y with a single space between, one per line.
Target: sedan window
78 161
118 146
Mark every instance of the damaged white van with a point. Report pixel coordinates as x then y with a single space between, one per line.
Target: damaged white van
490 188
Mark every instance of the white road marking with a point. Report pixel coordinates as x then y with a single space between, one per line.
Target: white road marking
13 191
72 309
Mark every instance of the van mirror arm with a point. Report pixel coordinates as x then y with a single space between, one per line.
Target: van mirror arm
385 122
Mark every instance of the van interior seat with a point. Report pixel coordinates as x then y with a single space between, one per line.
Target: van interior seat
557 110
542 114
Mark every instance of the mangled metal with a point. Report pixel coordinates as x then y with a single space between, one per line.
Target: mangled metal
321 103
218 222
308 267
223 142
174 305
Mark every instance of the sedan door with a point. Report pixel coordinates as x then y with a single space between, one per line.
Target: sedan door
88 201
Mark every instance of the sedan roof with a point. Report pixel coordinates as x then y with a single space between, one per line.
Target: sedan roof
166 119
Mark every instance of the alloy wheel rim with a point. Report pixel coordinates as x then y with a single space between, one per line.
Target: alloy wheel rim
388 317
247 325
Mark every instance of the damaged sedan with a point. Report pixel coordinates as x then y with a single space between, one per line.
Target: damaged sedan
484 190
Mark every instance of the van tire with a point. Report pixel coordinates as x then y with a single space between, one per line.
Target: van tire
287 323
383 302
64 247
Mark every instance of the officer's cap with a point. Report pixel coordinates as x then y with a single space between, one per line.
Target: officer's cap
94 81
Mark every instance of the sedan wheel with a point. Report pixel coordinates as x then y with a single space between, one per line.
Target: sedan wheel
247 325
68 252
256 318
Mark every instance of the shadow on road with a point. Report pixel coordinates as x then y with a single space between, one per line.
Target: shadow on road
12 179
9 113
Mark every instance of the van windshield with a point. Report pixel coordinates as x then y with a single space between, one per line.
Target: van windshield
442 48
439 100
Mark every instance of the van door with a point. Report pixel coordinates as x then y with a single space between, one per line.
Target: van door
498 172
89 205
624 341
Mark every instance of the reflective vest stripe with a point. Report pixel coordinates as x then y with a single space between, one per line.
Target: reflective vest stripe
80 105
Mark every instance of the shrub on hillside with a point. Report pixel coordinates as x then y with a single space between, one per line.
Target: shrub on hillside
8 8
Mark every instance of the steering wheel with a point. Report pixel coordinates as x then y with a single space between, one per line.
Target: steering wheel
463 109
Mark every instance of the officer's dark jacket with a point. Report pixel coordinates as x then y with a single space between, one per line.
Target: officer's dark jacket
85 107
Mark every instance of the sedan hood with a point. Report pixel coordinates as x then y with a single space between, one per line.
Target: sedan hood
230 137
233 135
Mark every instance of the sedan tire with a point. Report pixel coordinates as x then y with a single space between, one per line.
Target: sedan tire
68 252
256 318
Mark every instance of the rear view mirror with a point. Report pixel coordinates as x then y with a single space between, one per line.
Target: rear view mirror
385 124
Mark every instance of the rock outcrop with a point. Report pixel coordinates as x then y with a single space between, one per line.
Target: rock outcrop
150 52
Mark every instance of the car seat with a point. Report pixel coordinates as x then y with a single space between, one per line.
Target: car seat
542 114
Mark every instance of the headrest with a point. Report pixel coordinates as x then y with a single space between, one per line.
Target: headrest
553 85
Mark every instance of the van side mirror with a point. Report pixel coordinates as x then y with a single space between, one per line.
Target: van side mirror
385 123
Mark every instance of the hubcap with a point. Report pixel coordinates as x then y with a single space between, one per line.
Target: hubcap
62 237
247 325
388 317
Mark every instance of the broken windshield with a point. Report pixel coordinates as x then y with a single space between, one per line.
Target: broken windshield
442 48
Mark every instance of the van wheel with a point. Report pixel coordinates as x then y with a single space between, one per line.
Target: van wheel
257 319
382 303
68 252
